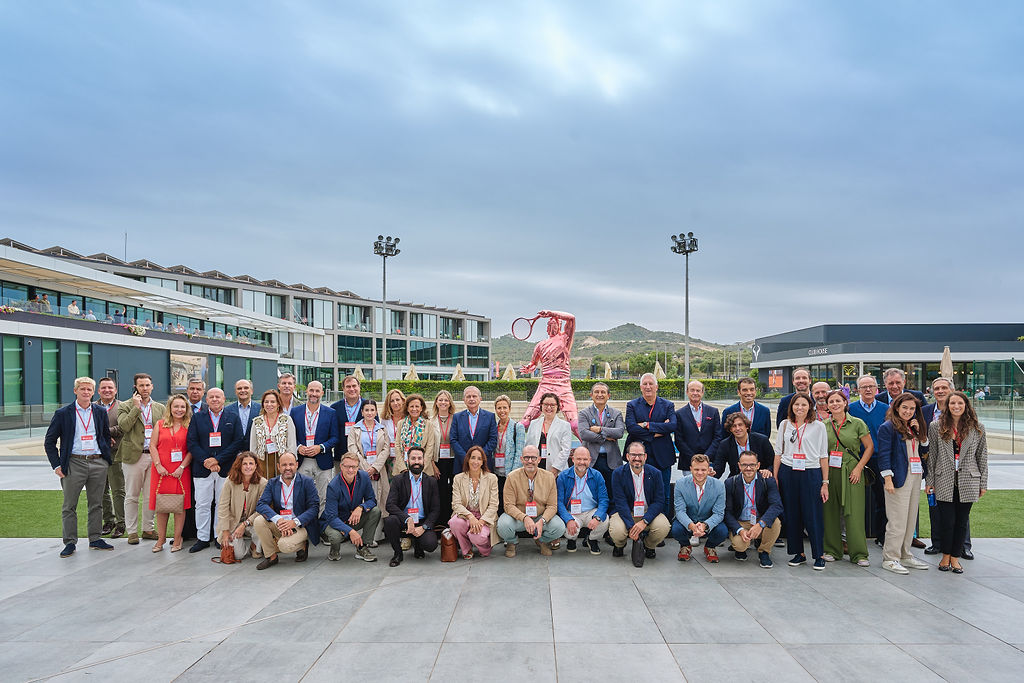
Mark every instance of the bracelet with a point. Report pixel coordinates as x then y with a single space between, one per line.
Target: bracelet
824 482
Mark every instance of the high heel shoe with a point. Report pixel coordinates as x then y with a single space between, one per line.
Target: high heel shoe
158 547
943 567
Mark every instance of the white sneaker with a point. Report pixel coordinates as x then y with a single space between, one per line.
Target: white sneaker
914 563
828 558
895 567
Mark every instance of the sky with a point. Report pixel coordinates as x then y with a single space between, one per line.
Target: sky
838 162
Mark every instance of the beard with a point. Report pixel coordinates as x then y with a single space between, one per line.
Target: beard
416 469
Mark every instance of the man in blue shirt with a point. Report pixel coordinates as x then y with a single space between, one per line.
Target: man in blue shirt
700 511
350 509
583 502
872 411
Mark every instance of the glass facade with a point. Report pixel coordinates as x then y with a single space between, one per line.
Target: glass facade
83 360
422 353
451 355
218 372
451 328
355 318
423 325
51 374
14 375
396 351
476 357
220 294
353 349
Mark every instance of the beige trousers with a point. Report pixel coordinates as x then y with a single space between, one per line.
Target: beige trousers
273 542
901 508
765 542
657 530
583 519
136 487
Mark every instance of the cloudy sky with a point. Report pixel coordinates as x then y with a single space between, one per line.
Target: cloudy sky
839 162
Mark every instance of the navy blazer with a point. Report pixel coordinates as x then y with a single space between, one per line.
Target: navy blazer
623 494
198 442
784 406
62 427
883 396
486 435
340 504
305 504
692 438
762 422
929 412
766 499
657 439
728 453
326 435
342 419
254 410
892 454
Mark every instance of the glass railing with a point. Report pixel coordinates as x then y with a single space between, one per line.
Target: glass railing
12 305
354 326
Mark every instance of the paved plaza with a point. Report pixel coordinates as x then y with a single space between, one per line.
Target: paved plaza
133 615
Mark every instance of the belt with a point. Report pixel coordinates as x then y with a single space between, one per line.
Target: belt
87 457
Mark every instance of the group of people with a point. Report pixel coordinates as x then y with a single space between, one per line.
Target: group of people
277 475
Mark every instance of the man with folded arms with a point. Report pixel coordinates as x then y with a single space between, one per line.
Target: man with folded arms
700 511
137 419
350 509
638 505
80 462
288 514
752 509
413 505
531 505
583 502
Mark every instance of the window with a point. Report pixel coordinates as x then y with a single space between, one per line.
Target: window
83 360
396 351
476 331
248 369
355 318
423 353
97 306
51 374
302 311
397 322
218 372
355 349
477 357
275 306
323 314
254 301
451 328
166 283
15 295
423 325
14 375
222 294
451 354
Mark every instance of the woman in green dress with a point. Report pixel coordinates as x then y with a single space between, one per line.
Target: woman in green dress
849 450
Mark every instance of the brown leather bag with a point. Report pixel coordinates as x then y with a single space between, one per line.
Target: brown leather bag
169 503
227 554
449 548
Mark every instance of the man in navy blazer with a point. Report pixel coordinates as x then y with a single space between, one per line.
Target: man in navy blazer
895 381
760 416
698 427
738 438
651 420
756 519
348 410
289 509
350 508
244 411
801 385
81 461
637 512
473 427
316 435
214 439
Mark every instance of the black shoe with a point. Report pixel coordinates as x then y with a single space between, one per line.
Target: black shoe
878 542
68 551
199 545
396 560
765 560
660 545
741 555
419 554
118 531
931 550
302 553
100 544
617 552
608 538
637 554
966 555
216 544
570 546
798 560
267 562
595 548
107 528
650 553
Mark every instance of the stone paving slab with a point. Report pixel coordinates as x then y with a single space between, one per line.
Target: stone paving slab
126 614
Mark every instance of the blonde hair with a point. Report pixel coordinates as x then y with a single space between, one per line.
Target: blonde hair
504 398
169 419
451 402
79 381
386 411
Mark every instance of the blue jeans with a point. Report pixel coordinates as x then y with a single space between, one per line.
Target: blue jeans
714 538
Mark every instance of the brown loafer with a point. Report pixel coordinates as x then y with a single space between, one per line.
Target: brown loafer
267 562
302 553
133 539
150 535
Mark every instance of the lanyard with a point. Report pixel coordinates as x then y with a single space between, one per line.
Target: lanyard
753 493
473 420
699 416
800 437
415 491
445 426
286 500
147 415
750 415
576 492
530 482
839 428
215 420
700 491
638 488
744 447
600 418
85 423
351 489
312 424
350 411
544 431
501 439
651 413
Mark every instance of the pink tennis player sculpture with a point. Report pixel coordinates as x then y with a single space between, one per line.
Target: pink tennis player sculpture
552 355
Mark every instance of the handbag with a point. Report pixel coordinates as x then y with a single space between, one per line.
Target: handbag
167 503
449 549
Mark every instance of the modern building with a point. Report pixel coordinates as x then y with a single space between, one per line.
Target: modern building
66 315
983 354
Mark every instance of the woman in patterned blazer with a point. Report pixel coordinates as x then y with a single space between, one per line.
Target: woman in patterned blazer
957 474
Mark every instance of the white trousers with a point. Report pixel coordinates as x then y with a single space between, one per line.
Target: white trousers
206 491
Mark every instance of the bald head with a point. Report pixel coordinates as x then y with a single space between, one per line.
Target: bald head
215 399
581 459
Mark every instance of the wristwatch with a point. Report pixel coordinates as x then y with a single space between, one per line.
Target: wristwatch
824 481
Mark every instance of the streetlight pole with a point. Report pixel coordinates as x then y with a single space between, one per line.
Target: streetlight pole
685 245
384 248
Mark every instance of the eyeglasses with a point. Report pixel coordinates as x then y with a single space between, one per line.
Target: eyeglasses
748 466
529 458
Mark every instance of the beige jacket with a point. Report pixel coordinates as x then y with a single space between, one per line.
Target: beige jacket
383 445
545 493
233 498
429 445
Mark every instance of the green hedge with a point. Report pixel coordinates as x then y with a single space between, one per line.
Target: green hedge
523 389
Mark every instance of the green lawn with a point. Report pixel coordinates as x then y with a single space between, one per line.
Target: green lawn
37 514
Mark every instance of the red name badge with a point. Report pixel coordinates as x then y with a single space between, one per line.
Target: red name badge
286 512
835 458
271 446
575 506
799 462
445 452
214 439
499 460
349 424
309 439
414 513
915 465
531 509
371 456
88 438
148 431
639 509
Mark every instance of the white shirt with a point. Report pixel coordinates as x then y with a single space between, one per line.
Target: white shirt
287 493
813 442
638 487
85 425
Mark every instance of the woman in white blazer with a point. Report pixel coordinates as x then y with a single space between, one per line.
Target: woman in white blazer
551 434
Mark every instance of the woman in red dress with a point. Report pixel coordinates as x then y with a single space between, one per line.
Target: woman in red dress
170 471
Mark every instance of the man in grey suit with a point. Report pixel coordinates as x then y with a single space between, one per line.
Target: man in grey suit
600 428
